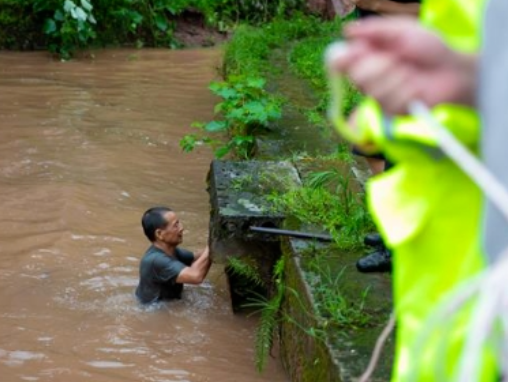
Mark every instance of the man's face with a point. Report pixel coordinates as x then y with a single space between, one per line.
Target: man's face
173 232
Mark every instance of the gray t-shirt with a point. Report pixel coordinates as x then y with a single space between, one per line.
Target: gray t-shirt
158 273
493 100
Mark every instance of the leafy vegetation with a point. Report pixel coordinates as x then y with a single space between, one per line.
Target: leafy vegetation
249 50
246 271
333 309
306 59
71 26
256 12
327 201
269 309
67 25
328 290
246 109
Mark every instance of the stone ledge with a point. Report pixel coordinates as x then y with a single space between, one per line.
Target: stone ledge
343 354
238 198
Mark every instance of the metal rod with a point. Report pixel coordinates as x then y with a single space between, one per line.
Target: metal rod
297 234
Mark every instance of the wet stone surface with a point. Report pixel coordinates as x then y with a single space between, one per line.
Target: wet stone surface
239 197
345 351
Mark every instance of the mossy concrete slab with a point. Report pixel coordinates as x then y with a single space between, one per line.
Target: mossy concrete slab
239 198
294 133
315 352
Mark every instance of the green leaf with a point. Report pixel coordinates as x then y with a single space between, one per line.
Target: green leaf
242 139
171 9
81 27
245 270
255 107
215 126
59 16
49 26
227 93
79 14
136 17
257 83
188 142
86 5
238 113
69 6
274 113
198 125
221 151
218 108
161 22
215 87
41 5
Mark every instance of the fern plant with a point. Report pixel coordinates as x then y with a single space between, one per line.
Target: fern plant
245 270
270 310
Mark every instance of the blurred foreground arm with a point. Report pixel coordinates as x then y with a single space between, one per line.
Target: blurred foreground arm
396 61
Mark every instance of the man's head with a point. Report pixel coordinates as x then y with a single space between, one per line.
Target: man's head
161 224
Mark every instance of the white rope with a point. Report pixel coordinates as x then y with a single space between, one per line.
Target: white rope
489 318
488 288
466 161
381 340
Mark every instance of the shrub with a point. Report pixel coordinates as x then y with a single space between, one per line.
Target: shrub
246 108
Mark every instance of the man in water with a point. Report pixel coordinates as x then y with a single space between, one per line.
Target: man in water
165 267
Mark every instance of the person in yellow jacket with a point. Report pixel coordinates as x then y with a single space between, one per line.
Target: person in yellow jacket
427 209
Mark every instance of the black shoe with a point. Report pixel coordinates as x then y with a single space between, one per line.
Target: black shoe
378 261
373 240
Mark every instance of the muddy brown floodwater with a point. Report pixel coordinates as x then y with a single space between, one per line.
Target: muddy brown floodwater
85 147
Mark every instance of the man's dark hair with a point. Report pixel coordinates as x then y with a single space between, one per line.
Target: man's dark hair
152 220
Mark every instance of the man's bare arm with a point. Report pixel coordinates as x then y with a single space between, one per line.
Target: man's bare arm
388 7
197 255
196 273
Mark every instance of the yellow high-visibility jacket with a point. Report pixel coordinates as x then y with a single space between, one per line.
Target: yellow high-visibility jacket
428 210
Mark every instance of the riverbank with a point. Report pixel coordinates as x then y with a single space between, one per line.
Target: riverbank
278 68
325 314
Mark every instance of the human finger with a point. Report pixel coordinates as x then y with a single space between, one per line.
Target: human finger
380 31
398 94
347 57
402 37
371 71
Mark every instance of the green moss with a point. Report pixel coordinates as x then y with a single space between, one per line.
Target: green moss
249 50
316 349
306 60
302 337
